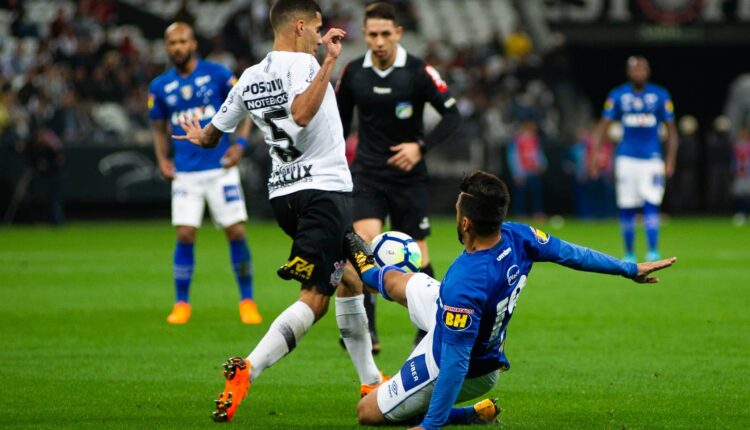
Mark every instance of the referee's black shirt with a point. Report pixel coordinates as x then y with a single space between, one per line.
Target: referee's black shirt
390 110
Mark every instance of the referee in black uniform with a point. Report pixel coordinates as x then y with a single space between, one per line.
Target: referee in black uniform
390 87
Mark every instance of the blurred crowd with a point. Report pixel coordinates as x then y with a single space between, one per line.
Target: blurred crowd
82 79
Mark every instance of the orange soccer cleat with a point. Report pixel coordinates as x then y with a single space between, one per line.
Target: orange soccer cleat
487 411
180 313
365 389
237 374
249 312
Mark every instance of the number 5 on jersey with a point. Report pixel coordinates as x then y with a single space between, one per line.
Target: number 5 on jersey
285 147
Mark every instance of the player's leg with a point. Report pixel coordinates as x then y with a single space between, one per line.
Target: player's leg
652 190
628 201
227 205
187 213
369 211
409 209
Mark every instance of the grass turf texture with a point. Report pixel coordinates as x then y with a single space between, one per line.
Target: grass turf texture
84 342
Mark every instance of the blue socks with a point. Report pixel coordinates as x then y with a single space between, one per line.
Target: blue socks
242 266
465 415
651 225
627 227
184 261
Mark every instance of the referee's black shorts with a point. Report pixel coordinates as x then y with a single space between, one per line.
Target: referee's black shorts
407 203
317 222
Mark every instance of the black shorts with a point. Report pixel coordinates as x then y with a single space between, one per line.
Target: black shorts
406 203
317 222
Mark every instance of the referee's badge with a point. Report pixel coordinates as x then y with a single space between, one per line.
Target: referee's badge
186 92
404 110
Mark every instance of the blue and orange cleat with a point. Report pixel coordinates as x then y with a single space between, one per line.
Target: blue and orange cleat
237 374
487 411
180 313
249 312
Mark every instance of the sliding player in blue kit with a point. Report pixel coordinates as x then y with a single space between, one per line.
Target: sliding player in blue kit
466 316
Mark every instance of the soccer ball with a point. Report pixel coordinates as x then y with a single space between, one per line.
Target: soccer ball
394 248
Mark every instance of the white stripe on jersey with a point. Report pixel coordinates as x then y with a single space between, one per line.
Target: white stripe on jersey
311 157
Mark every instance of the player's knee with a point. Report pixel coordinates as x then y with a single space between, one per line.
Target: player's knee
186 234
235 232
368 413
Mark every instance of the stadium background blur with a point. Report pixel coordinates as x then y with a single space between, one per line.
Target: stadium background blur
74 76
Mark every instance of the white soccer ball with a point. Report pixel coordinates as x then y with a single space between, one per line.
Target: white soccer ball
394 248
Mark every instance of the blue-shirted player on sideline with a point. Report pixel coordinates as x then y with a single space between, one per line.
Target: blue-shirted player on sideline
640 171
467 315
198 88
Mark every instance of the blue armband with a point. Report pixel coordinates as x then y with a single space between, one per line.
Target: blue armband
242 141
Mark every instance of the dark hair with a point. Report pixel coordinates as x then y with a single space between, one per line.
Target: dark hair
485 202
381 10
282 11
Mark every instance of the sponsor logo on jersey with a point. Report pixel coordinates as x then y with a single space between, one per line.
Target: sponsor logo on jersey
186 91
300 267
504 254
404 110
639 120
202 80
232 193
414 372
457 321
202 112
513 273
381 90
171 86
436 79
669 106
151 101
609 104
289 175
458 310
268 101
171 99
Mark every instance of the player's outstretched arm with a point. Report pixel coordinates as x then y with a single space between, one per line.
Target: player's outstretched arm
206 137
646 269
306 105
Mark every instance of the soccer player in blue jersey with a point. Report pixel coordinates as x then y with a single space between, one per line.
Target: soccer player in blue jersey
198 88
640 171
467 315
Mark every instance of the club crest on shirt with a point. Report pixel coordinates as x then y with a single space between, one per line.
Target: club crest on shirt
404 110
186 91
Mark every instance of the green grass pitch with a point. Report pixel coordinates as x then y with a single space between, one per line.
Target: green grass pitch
84 342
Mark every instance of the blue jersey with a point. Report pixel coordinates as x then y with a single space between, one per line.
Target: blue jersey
201 93
480 290
640 113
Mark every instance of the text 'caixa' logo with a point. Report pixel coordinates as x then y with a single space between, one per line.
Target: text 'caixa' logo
457 319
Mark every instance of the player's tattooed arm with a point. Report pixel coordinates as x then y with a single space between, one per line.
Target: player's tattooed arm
306 105
161 148
206 137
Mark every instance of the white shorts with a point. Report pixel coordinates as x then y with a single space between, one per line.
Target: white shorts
409 391
222 190
639 181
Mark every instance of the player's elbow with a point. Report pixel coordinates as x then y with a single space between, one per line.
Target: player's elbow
301 119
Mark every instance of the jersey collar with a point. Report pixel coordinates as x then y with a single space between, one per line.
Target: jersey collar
400 62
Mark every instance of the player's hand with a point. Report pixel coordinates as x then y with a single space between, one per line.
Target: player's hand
332 42
232 156
167 169
406 156
645 269
192 128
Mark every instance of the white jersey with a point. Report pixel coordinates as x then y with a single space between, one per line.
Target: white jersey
311 157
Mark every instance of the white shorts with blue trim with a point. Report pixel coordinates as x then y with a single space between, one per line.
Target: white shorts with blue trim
220 188
639 181
408 392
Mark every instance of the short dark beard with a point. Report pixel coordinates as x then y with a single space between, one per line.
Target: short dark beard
182 66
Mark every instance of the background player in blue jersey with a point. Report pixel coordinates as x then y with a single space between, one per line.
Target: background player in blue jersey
640 171
198 88
467 315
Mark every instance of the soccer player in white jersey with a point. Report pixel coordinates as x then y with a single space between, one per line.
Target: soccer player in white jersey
289 96
199 176
640 170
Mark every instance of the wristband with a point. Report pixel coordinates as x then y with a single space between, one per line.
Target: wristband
242 141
